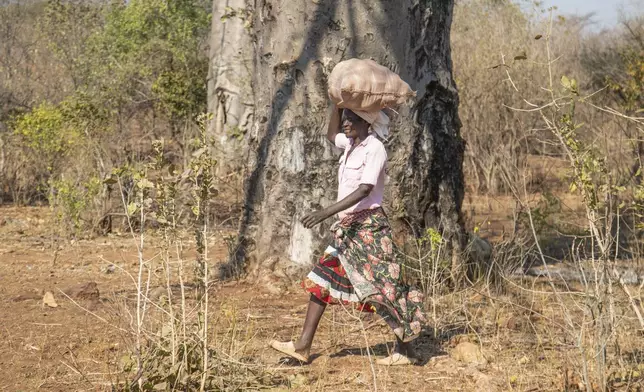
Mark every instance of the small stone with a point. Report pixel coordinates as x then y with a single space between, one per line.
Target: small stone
468 353
49 300
629 277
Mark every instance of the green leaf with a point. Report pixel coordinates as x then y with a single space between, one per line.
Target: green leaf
573 187
131 209
566 82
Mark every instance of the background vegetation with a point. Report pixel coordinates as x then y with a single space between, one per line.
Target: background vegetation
85 87
101 107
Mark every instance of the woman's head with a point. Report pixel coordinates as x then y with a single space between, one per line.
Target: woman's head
353 125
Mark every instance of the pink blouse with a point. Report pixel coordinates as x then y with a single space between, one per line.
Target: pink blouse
365 165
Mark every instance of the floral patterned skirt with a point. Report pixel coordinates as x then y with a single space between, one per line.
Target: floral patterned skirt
361 268
329 283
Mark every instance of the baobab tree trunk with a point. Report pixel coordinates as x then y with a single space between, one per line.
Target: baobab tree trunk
230 95
292 168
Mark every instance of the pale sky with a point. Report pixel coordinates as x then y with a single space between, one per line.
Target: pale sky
606 11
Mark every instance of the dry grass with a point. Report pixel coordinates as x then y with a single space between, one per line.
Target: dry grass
523 331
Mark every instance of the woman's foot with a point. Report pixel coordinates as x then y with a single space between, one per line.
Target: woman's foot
397 359
300 349
291 350
403 354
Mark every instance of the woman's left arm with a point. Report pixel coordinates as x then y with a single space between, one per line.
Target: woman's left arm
352 199
375 163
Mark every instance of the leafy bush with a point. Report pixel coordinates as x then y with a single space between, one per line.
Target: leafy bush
133 72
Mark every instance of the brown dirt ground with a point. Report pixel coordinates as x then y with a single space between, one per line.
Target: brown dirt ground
69 348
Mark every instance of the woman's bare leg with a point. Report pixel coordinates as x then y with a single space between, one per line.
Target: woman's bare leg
313 315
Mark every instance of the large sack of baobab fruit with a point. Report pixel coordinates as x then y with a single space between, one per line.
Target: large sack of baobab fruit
366 85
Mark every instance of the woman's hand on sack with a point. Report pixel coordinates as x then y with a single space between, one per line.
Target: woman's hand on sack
314 218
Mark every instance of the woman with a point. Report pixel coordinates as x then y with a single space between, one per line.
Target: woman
361 266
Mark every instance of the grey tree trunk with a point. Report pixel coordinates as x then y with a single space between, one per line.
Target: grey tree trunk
292 168
230 95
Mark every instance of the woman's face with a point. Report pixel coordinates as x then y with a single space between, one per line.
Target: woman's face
352 124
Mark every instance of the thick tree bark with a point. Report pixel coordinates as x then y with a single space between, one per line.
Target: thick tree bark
230 94
293 168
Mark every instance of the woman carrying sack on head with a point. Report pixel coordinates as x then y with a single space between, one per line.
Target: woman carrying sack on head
360 267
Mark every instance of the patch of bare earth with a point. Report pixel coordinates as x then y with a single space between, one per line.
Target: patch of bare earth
510 342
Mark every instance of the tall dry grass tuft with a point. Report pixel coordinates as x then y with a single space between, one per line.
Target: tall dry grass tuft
590 315
173 337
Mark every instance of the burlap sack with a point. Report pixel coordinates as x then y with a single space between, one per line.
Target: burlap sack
366 85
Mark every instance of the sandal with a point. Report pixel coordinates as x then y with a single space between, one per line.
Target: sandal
288 348
397 359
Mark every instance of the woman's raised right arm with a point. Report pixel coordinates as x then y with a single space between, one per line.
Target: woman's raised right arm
334 122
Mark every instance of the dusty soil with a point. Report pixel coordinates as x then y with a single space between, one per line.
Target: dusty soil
80 345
